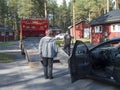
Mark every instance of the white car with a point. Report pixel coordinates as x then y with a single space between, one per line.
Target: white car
60 36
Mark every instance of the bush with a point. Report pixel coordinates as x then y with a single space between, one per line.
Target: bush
5 58
85 40
6 44
59 42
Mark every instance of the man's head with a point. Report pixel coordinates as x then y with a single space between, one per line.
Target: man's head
49 32
67 32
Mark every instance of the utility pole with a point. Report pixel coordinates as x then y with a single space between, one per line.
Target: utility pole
116 5
30 10
108 5
73 31
89 10
45 6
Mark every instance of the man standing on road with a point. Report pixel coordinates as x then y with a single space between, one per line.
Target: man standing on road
48 50
67 42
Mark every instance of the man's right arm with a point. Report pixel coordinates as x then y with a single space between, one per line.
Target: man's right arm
40 46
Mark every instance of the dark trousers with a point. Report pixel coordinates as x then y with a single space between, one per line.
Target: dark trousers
67 48
48 67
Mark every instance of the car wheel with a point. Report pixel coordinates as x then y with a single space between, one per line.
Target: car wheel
117 74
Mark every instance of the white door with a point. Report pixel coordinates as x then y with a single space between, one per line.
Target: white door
86 33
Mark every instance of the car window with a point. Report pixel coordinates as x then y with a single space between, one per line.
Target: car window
80 50
111 44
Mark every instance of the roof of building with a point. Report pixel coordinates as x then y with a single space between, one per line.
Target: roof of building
110 17
80 21
6 28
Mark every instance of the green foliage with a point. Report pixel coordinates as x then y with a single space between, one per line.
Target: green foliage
24 8
11 11
53 10
60 42
85 40
3 11
6 44
65 16
92 7
37 9
5 58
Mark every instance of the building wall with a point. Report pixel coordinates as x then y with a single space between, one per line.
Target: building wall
79 30
114 34
7 36
97 38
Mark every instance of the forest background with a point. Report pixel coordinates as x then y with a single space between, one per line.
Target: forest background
11 11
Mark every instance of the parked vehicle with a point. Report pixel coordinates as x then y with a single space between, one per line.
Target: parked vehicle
101 62
31 30
60 36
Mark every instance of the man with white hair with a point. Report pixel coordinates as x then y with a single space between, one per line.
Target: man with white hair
48 50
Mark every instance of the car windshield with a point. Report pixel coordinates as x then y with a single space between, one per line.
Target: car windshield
111 44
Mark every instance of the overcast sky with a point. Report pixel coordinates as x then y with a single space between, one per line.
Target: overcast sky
60 1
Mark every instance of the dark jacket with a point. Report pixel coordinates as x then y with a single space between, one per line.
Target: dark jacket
67 39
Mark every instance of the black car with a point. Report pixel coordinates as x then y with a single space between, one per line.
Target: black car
102 62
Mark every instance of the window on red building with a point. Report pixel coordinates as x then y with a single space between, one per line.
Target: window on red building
115 28
2 33
98 29
10 34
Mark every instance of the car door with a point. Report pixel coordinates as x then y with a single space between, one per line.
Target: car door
79 63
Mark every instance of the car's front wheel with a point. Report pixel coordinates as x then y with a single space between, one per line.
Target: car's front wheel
117 74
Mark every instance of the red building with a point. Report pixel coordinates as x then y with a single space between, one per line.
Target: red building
6 33
81 30
106 26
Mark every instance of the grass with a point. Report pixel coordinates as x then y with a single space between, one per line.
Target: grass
85 40
60 42
5 58
6 44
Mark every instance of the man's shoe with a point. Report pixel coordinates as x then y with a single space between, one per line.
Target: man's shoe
46 77
50 77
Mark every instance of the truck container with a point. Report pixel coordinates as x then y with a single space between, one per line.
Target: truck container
31 30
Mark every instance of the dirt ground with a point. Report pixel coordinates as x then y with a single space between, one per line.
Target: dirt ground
18 75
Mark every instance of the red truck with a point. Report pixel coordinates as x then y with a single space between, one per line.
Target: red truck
33 27
31 30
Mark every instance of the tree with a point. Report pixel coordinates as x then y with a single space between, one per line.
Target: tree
53 12
63 15
24 8
83 9
38 8
3 10
119 3
86 9
11 11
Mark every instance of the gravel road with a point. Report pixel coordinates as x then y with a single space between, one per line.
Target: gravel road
18 75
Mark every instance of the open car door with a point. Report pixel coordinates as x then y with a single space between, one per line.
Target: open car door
79 62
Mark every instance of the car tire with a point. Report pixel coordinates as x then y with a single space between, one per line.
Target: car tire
117 74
